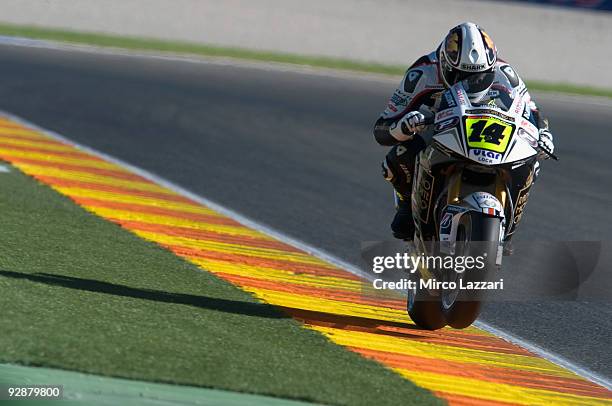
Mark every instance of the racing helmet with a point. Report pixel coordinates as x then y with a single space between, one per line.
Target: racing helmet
467 50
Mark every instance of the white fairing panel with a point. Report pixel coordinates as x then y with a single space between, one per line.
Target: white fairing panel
450 139
519 151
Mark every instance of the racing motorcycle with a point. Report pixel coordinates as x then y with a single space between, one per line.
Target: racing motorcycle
470 189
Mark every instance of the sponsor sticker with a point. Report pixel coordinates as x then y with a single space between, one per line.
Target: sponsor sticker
447 221
411 80
424 195
460 97
444 114
492 112
398 99
477 67
511 75
450 101
487 200
451 122
485 156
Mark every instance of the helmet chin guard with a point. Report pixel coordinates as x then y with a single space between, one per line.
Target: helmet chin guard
465 51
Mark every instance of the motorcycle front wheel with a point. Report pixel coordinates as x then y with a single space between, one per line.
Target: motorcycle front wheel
477 235
423 308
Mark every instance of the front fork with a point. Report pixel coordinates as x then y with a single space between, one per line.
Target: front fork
483 203
454 189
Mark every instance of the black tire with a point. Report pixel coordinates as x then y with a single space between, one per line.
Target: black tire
466 308
463 314
425 310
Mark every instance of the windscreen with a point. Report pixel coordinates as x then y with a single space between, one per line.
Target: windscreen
481 85
477 82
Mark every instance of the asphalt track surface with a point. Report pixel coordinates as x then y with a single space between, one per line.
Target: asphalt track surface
294 151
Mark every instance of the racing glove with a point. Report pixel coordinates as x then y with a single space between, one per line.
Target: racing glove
546 142
407 126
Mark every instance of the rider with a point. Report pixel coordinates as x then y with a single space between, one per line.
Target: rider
467 52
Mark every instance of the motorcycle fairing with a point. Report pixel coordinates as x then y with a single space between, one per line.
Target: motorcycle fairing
485 134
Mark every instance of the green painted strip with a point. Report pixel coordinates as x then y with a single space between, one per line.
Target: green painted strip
177 47
104 391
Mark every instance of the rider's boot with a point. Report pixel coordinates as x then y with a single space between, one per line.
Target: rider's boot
403 224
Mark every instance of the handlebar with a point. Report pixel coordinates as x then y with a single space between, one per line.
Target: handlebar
547 152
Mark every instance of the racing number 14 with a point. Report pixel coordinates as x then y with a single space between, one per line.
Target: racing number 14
488 133
493 133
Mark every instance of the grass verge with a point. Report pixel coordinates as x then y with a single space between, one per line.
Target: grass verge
147 44
80 293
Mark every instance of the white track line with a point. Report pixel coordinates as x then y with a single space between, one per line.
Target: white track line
599 101
198 59
316 252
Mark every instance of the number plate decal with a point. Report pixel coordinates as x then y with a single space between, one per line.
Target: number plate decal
486 132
